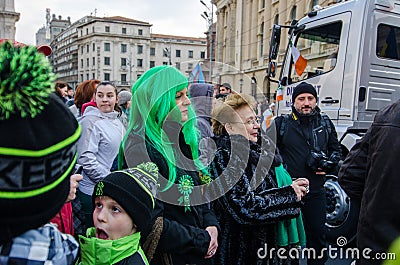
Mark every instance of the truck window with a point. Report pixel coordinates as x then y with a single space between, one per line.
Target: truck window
319 46
387 45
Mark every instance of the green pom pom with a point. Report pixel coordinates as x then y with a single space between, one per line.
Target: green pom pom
26 81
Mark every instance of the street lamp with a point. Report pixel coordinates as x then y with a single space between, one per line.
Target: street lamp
209 18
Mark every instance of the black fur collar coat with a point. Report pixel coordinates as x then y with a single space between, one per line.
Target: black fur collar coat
249 211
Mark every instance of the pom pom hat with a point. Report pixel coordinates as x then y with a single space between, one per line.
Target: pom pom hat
38 145
134 189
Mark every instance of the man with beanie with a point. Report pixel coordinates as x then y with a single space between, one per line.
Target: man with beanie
203 101
123 205
124 101
307 141
37 156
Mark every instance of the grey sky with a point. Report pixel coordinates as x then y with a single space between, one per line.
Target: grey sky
174 17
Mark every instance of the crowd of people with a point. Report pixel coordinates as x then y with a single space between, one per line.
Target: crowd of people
172 172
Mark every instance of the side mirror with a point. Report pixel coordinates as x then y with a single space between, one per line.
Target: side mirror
272 69
274 42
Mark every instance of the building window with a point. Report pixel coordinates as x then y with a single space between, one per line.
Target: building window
123 79
81 77
94 61
81 63
178 65
87 62
261 39
123 30
140 49
293 14
87 76
94 47
152 64
123 48
139 62
140 32
107 61
106 76
107 47
93 76
190 55
152 51
178 53
262 3
87 31
314 3
107 28
190 66
202 55
123 61
82 49
87 47
165 63
138 76
276 20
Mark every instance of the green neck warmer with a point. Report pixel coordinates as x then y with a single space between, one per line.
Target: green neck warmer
95 251
289 231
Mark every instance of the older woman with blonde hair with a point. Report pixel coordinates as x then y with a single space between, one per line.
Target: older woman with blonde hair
257 191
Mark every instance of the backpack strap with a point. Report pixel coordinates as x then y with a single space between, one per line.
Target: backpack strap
282 128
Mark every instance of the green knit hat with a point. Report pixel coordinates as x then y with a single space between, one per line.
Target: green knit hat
38 144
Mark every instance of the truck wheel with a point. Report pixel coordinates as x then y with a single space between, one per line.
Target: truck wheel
341 214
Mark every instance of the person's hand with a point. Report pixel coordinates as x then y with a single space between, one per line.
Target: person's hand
212 249
300 187
74 182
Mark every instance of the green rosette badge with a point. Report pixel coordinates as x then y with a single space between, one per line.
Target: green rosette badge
185 187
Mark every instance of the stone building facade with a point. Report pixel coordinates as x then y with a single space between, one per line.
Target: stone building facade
8 18
243 34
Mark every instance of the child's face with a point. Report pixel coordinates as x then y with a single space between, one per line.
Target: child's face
110 219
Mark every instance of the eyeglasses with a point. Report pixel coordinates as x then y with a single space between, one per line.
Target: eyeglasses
250 122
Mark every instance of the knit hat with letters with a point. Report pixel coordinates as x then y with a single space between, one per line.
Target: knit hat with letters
38 144
303 87
134 189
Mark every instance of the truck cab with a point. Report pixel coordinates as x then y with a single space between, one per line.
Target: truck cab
352 51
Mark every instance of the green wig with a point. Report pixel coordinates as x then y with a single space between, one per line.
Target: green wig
153 100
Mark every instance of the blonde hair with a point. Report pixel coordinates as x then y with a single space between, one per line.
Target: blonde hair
223 112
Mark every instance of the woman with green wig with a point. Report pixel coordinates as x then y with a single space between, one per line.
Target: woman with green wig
162 129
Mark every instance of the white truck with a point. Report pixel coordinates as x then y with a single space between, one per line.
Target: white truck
353 59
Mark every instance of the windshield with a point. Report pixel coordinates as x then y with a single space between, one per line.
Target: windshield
319 47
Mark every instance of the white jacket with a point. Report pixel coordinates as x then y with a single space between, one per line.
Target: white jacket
98 146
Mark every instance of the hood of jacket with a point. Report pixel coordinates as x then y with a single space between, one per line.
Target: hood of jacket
93 111
201 96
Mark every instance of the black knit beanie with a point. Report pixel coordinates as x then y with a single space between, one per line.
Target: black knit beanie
37 144
134 189
303 87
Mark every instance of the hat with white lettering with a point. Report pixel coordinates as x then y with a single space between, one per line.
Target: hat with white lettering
38 144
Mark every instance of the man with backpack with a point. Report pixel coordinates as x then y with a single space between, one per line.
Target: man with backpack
307 141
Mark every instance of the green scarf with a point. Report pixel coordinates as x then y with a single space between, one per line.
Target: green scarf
289 231
97 251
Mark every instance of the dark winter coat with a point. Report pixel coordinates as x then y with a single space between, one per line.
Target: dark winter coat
201 96
370 173
249 211
184 239
301 135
